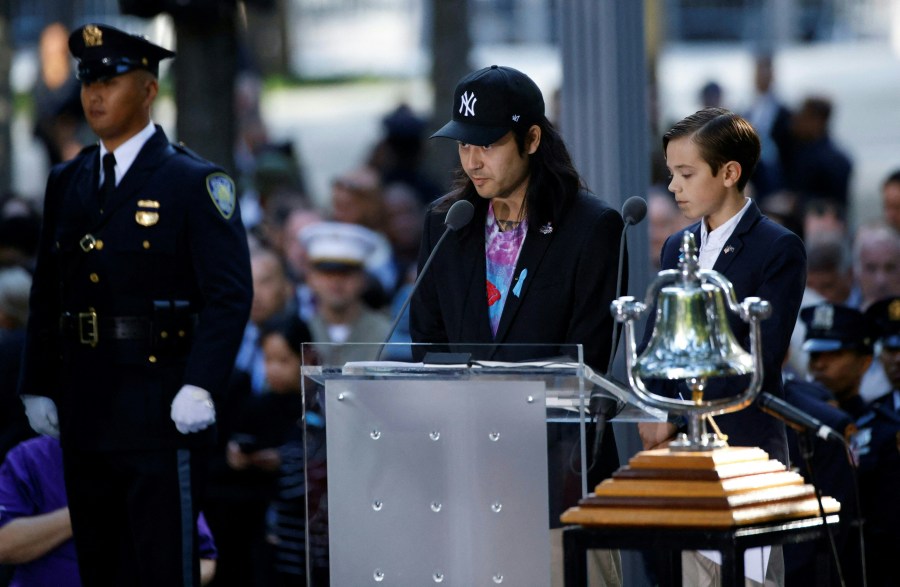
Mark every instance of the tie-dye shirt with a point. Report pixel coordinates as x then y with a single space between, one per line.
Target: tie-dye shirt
501 252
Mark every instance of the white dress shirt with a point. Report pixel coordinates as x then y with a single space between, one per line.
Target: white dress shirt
712 241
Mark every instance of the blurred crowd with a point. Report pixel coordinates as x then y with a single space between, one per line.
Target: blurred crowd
335 274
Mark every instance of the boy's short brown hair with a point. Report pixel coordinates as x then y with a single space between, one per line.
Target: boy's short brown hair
721 136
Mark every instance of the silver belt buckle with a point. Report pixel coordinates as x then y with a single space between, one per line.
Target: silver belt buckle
87 243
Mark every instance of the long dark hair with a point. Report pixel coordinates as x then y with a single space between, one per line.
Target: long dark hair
553 180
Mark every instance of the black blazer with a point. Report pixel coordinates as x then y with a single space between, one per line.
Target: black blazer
569 271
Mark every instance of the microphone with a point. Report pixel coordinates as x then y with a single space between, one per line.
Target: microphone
459 214
602 409
795 417
633 211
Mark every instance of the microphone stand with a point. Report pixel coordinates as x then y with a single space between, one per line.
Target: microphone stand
601 408
459 215
615 330
805 440
411 291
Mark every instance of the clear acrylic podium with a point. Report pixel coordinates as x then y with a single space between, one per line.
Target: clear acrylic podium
437 468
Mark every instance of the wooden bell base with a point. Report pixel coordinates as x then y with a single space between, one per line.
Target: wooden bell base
720 488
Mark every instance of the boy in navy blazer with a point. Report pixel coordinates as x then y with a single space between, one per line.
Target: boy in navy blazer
711 155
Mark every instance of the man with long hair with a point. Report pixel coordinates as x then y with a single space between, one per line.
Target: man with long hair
538 262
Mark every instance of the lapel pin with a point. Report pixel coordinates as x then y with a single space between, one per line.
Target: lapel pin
728 249
517 290
547 228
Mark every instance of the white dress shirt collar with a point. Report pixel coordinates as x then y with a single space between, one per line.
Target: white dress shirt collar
127 152
712 241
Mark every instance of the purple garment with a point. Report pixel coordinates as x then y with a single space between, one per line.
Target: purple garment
31 483
501 253
207 544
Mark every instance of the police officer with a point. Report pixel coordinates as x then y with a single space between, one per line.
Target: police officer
877 450
840 350
141 291
338 254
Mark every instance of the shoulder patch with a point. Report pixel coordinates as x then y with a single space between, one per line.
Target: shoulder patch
221 190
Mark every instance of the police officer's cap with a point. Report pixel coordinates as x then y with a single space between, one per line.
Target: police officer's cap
884 315
103 52
831 327
339 246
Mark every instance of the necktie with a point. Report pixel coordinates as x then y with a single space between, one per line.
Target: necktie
109 178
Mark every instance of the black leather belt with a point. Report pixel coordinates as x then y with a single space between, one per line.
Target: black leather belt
87 328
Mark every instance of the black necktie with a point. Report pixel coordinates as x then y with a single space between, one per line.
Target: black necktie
109 178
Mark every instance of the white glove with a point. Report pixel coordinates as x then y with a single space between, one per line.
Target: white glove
192 409
42 416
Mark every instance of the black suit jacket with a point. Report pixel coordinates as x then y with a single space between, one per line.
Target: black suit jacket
165 234
569 282
569 269
763 259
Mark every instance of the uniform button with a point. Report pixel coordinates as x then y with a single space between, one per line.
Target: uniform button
181 334
146 244
94 278
152 358
57 244
164 334
98 245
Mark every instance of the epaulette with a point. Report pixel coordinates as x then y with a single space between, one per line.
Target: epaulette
182 148
87 148
73 163
886 413
86 151
865 419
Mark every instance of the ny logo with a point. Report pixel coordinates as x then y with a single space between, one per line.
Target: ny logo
467 104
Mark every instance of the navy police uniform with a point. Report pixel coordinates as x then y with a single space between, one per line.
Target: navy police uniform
133 298
877 449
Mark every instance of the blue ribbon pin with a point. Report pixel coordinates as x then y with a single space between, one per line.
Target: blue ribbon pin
517 290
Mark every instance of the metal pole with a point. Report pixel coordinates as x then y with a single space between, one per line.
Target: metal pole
604 119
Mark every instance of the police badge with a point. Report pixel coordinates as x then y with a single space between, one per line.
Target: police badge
93 36
221 190
147 217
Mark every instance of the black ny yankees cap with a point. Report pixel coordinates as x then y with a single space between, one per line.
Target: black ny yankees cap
489 103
